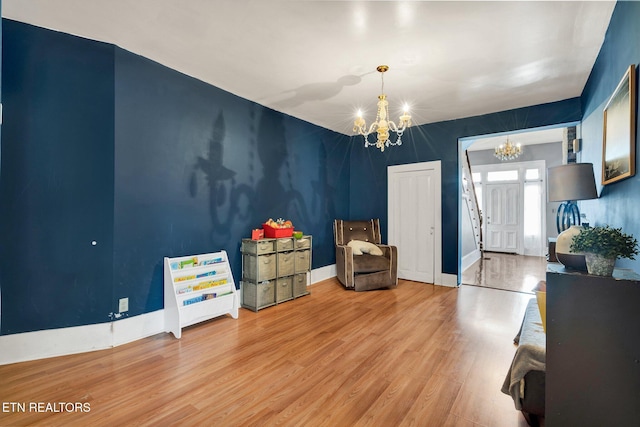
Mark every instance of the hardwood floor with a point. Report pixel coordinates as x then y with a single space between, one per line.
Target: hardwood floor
418 355
517 273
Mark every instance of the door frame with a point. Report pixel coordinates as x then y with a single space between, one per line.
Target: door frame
521 167
436 166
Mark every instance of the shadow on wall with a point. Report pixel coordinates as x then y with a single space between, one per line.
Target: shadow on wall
221 184
234 205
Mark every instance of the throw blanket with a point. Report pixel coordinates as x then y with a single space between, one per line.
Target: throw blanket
530 355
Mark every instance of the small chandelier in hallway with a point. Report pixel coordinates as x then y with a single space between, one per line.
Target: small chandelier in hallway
508 151
382 125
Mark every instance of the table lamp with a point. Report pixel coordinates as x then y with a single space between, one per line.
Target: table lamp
568 184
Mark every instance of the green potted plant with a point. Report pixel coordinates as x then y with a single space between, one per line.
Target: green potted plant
602 246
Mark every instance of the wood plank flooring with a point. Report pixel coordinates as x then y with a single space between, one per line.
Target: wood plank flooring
418 355
517 273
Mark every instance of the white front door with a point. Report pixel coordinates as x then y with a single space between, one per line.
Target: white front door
412 219
503 218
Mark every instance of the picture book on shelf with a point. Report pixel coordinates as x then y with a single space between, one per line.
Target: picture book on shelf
193 262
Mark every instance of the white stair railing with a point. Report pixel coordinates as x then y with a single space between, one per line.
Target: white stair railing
469 193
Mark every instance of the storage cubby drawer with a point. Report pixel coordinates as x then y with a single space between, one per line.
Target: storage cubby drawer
259 268
258 295
303 243
301 261
285 244
284 288
258 247
286 263
300 285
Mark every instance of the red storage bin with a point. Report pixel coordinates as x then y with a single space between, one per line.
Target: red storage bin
271 232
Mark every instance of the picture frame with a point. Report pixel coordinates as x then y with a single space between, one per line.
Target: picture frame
619 131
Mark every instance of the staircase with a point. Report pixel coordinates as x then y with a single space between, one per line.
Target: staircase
471 213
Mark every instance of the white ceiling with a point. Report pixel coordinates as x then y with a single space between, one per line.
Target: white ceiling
316 60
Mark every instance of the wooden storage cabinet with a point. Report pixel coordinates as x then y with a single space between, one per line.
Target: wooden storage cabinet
593 351
274 270
197 288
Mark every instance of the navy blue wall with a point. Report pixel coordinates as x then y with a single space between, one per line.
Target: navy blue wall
196 168
439 141
56 184
618 202
99 144
103 145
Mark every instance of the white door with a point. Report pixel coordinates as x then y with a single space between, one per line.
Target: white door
412 219
503 217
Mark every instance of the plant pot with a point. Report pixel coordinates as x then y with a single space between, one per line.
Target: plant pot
599 265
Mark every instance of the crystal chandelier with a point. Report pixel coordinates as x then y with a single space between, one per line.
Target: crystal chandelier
508 151
382 125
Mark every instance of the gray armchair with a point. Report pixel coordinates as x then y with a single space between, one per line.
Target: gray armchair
364 266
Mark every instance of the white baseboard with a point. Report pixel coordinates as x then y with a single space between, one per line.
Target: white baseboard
323 273
450 280
78 339
138 327
469 259
54 342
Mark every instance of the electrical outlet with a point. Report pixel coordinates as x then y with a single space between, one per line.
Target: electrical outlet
123 305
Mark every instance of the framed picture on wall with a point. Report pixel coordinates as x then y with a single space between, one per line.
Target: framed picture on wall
619 139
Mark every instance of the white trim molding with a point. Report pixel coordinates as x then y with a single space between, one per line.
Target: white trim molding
78 339
323 273
101 336
470 258
449 280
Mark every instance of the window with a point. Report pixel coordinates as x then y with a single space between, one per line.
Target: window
498 176
532 219
532 174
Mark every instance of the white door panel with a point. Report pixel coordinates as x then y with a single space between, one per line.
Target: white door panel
503 217
412 219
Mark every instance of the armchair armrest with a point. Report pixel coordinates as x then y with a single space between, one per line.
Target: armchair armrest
391 252
344 265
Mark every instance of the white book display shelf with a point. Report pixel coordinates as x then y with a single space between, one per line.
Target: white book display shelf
198 288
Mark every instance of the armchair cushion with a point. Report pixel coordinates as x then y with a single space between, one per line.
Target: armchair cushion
367 263
359 247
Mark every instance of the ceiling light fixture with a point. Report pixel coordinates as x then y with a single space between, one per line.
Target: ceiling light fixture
508 151
382 125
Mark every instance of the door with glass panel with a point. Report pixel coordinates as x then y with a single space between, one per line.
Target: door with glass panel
514 220
503 217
